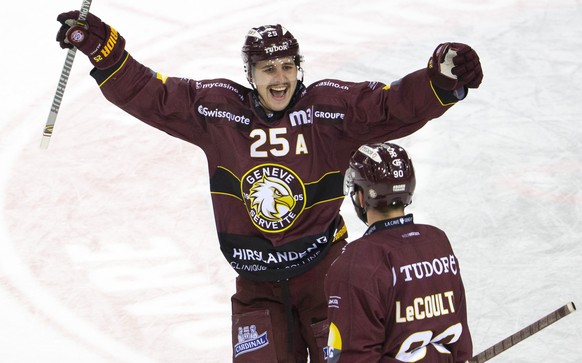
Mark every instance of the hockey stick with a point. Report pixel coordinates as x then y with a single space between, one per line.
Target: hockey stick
52 117
524 333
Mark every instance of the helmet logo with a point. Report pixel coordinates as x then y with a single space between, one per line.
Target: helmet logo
370 152
399 188
273 196
255 34
391 151
276 48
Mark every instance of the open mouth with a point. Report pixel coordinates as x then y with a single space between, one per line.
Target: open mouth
278 92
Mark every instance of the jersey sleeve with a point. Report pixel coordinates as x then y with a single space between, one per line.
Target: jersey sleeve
159 101
356 315
397 110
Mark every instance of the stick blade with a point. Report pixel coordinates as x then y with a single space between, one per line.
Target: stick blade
48 131
44 142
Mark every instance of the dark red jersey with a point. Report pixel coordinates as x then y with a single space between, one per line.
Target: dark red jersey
396 295
276 182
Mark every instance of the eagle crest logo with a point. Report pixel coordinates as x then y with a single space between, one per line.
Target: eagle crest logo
274 196
271 198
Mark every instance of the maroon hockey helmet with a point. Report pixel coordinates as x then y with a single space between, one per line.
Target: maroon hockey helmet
384 173
269 42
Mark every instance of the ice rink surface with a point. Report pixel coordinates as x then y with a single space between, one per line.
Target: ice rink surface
108 251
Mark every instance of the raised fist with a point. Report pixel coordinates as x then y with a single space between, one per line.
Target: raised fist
99 41
455 65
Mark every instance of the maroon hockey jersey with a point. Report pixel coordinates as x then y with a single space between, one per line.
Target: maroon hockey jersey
276 183
396 295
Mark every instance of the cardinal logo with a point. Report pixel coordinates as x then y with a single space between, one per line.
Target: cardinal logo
274 196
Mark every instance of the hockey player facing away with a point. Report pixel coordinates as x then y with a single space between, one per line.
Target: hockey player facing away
395 294
276 154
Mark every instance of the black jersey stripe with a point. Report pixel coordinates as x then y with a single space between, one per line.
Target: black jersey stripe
327 188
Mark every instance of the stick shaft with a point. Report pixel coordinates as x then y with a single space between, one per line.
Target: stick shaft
523 334
59 93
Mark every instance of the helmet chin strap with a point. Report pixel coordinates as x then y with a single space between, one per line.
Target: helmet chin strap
361 212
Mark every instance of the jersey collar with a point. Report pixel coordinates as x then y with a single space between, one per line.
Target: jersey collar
390 223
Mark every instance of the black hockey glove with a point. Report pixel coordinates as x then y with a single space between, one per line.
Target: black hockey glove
99 41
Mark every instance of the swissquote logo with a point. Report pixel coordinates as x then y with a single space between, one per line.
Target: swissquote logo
274 197
249 340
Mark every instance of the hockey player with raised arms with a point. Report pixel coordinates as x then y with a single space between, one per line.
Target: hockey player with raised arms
276 154
395 294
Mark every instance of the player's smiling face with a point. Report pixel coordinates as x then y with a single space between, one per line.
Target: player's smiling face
275 81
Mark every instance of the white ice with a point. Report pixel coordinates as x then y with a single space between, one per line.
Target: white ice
107 243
